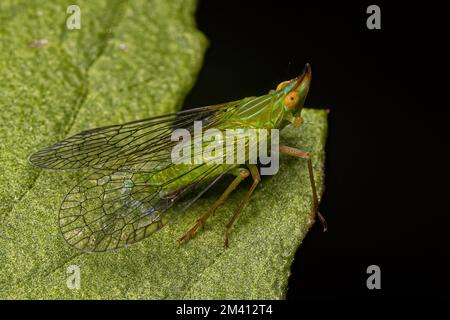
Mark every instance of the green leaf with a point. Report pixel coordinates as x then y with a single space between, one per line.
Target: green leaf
130 60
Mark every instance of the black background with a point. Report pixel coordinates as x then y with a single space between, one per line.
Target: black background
385 200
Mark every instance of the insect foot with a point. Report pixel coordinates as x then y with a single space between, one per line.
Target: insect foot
191 232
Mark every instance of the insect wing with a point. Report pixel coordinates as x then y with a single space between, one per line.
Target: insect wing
122 202
112 147
112 209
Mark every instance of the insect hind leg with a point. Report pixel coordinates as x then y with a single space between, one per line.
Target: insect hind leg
256 180
241 174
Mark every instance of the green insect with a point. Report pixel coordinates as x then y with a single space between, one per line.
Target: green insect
136 181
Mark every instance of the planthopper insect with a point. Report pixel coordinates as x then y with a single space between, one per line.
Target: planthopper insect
137 178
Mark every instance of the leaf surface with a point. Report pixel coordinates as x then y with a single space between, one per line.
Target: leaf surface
130 60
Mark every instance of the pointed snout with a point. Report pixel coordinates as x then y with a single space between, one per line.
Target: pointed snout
303 81
301 86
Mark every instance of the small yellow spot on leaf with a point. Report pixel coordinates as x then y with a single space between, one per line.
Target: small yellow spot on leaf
39 43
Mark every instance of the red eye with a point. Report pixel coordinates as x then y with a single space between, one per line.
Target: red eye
291 100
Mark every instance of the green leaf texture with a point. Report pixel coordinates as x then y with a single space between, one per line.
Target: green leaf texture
129 60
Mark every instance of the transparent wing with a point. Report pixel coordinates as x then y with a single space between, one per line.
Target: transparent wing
113 209
122 202
144 141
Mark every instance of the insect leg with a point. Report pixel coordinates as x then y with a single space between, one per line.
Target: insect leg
256 179
305 155
241 174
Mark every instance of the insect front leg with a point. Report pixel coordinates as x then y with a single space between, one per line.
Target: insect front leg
241 174
305 155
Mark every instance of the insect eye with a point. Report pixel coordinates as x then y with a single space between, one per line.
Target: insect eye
291 100
282 85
